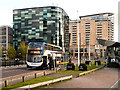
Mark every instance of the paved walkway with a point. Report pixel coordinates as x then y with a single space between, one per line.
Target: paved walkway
104 78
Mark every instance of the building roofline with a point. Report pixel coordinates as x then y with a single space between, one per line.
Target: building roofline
41 7
110 14
37 7
5 26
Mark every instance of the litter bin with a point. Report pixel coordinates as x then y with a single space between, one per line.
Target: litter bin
70 66
98 62
82 67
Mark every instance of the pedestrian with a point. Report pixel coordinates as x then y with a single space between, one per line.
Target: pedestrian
50 63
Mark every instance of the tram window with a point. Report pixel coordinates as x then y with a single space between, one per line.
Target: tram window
56 49
49 48
46 47
53 48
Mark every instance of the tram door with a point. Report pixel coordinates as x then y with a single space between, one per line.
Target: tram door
45 61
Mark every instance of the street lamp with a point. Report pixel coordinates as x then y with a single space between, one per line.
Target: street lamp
89 49
79 42
80 48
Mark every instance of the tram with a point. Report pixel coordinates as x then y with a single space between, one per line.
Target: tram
39 54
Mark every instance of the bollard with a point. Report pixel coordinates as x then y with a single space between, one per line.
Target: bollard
28 88
56 69
89 63
35 75
48 84
6 83
23 78
44 73
96 63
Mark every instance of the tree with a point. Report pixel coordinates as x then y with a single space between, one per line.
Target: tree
71 53
1 51
11 52
23 49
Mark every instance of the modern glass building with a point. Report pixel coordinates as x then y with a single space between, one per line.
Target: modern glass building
41 24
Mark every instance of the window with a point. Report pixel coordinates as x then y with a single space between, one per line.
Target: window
46 47
76 50
56 49
81 50
49 47
86 50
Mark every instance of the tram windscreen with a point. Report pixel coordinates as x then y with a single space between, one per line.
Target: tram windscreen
35 52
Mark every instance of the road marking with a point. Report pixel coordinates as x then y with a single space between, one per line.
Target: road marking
20 75
114 84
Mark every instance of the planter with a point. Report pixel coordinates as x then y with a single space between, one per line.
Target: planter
98 62
70 66
82 67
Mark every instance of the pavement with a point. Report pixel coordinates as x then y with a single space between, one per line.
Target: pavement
104 78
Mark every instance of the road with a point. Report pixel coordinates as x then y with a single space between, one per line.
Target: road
14 74
104 78
15 71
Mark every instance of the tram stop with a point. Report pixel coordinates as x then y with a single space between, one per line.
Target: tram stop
112 54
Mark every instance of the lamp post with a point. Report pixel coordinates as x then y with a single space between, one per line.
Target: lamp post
80 48
89 49
78 40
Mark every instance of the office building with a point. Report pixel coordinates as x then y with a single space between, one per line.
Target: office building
41 24
6 37
91 27
119 21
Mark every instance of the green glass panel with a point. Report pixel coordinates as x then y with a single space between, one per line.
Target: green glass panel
15 12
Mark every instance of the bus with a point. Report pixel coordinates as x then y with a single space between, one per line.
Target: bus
39 54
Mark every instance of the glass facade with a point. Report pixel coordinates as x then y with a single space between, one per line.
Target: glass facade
41 24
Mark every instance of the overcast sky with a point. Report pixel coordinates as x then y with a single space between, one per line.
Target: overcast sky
85 7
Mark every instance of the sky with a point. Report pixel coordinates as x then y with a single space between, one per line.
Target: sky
84 7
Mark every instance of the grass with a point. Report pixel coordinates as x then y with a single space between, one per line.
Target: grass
76 71
29 82
68 72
